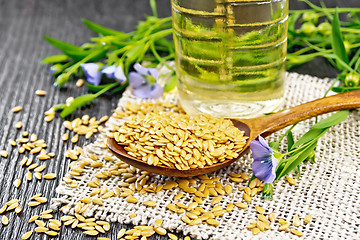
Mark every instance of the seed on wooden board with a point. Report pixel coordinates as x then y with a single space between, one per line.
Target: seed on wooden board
18 209
33 218
26 235
17 183
49 176
16 109
5 220
80 82
65 137
121 233
40 92
4 153
12 142
91 232
75 139
172 236
308 218
51 233
28 176
41 229
291 180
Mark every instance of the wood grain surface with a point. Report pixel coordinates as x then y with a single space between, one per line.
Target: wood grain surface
22 25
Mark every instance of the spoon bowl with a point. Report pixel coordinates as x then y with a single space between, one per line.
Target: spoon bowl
252 128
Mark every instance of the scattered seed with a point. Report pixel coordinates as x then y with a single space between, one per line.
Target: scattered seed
3 153
79 82
284 227
272 217
160 231
296 232
255 231
212 221
51 233
16 109
150 203
260 209
121 233
308 218
28 176
40 92
18 125
131 199
33 218
296 221
75 139
49 176
65 137
41 229
26 235
291 180
5 220
241 205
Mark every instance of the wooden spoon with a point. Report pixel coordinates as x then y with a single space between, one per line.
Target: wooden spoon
254 127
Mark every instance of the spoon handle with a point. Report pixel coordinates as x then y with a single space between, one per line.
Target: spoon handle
271 123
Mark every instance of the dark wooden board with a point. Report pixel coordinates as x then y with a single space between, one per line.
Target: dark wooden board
22 25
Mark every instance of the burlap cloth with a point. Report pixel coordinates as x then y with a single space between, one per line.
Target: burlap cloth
329 189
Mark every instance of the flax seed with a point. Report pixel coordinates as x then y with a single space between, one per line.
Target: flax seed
3 153
296 221
26 235
16 109
40 92
291 180
308 218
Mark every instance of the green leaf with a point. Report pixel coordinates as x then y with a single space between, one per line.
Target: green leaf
153 8
290 140
171 84
344 89
96 88
334 119
55 59
102 30
78 102
337 39
308 136
295 160
75 52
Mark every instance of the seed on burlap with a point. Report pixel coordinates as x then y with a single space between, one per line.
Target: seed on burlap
291 180
308 218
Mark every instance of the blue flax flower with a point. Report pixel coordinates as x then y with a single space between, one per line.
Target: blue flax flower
114 72
143 81
92 72
264 164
